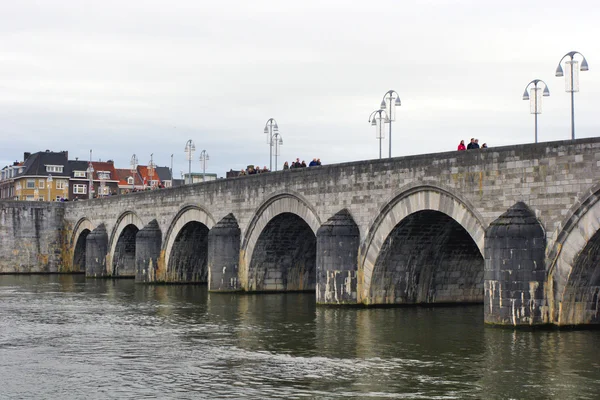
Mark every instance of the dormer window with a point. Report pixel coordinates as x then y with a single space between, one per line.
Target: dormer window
79 174
130 180
54 168
103 175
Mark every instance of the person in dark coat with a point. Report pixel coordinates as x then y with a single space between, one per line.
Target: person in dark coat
470 145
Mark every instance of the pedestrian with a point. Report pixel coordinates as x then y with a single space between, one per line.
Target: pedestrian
303 165
484 146
286 165
471 144
461 146
313 163
318 161
476 144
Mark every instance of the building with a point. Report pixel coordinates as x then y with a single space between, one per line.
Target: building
129 181
7 177
43 176
198 177
165 176
104 179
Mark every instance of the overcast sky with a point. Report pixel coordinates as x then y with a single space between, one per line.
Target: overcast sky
125 77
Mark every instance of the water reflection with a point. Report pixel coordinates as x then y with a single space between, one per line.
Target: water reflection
68 337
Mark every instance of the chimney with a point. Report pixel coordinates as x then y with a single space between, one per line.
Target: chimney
26 155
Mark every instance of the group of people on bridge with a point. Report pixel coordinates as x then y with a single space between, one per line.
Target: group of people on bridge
474 144
297 164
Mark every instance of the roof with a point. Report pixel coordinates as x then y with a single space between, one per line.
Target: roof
124 174
35 165
164 173
108 166
143 171
76 165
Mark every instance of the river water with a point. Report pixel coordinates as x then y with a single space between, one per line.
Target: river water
64 337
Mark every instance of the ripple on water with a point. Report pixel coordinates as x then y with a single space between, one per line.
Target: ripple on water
78 339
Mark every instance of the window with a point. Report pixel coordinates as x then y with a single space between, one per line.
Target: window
54 168
130 180
41 184
79 174
79 189
30 183
29 197
61 184
103 175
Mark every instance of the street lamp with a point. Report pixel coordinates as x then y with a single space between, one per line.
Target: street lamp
390 101
133 163
203 159
277 143
572 80
270 129
190 148
377 119
535 100
90 172
151 167
102 184
49 184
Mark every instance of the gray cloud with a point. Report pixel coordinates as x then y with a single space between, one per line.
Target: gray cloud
144 76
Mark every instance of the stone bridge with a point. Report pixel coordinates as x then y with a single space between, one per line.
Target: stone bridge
515 228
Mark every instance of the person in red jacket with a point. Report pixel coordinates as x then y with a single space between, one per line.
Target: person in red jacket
461 146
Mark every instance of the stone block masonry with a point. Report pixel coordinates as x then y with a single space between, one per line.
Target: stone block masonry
32 237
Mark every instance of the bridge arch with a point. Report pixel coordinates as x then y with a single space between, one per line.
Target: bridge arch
121 255
186 245
77 244
574 273
417 212
283 230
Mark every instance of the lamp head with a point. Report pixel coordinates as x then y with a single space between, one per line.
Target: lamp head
383 105
373 122
559 70
584 65
526 95
398 104
266 130
546 91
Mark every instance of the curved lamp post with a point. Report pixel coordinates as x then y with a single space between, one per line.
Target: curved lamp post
190 148
49 184
377 119
277 142
204 157
271 128
133 163
535 104
151 167
390 101
90 172
572 80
